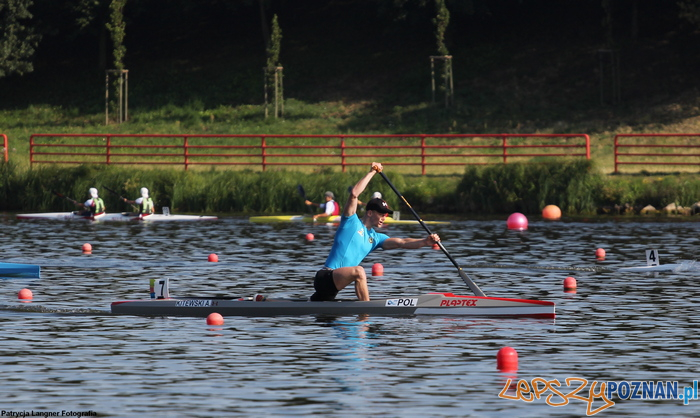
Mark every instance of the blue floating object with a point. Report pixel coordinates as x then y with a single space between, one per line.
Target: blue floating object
19 270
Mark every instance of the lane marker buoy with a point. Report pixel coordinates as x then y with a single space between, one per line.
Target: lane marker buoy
215 319
517 221
25 294
600 254
551 212
570 285
507 359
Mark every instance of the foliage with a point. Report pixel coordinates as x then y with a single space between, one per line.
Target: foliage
275 46
690 11
527 188
117 30
442 20
17 41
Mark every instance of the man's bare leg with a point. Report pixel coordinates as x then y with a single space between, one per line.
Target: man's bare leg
345 275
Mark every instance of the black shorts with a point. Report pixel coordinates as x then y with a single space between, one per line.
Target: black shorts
324 286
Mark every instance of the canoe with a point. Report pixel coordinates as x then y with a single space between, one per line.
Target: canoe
643 269
113 217
329 219
19 270
443 304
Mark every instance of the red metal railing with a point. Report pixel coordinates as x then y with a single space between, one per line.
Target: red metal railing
4 147
303 150
684 152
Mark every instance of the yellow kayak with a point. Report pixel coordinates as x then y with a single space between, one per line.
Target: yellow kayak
328 219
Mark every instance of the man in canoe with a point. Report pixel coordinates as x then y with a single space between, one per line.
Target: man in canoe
144 203
330 208
354 239
93 206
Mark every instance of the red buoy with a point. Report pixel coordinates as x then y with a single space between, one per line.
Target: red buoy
570 284
87 248
309 237
25 294
213 258
215 319
517 221
377 269
600 254
507 359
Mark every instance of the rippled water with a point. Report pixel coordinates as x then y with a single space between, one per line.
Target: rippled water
64 351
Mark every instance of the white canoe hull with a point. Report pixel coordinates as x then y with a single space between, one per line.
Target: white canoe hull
114 217
445 304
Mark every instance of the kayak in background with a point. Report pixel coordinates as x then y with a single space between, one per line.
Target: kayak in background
116 217
19 270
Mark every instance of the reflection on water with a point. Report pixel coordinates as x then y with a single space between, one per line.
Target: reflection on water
65 351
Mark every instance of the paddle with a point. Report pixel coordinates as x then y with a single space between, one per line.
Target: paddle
117 194
67 198
302 193
474 288
120 197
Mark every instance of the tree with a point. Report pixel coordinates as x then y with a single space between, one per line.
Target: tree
117 29
17 41
442 20
690 10
273 70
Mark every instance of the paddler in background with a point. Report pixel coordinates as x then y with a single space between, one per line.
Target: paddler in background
354 239
144 203
93 206
330 208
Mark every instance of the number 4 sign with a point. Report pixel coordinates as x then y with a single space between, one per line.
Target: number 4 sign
653 258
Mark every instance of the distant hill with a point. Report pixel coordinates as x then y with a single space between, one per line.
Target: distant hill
519 66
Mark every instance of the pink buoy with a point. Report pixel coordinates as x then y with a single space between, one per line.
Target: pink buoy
377 269
87 248
569 284
600 254
309 237
551 212
507 359
215 319
517 221
213 258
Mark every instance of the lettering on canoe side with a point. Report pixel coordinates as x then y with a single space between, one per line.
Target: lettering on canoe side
194 303
458 302
402 302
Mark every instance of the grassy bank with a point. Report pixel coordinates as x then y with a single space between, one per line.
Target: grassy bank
576 187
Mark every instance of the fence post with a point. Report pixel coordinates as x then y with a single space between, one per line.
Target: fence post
263 151
505 149
187 153
5 146
342 153
108 150
422 154
615 152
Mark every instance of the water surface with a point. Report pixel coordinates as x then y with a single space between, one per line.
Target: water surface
65 351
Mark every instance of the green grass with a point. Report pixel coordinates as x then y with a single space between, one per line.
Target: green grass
576 187
503 84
